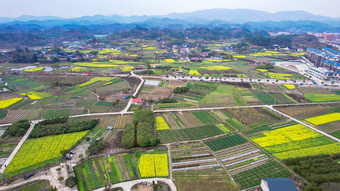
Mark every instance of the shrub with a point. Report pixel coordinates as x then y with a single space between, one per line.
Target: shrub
71 181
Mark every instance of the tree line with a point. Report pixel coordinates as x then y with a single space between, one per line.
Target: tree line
141 132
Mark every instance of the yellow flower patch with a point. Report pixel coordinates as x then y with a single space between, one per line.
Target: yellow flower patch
194 73
161 124
170 60
8 102
38 69
323 119
216 68
37 95
290 86
286 135
151 165
96 79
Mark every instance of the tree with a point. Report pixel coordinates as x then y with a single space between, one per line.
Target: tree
180 90
95 147
145 135
128 139
143 116
18 128
71 181
60 178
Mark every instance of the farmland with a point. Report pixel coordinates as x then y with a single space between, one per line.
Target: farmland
210 149
194 161
195 133
99 172
39 152
295 141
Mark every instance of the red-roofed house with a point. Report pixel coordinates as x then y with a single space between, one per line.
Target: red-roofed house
136 101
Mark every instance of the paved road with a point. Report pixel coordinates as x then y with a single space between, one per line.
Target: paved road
304 124
15 151
128 185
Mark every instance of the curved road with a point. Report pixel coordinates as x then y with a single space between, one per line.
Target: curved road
128 185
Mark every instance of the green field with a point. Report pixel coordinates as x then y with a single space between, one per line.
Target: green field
196 133
225 142
253 176
205 117
264 97
322 97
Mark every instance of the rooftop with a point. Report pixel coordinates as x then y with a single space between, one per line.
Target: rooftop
280 184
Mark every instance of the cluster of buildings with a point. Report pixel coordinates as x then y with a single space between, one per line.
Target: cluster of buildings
328 36
324 64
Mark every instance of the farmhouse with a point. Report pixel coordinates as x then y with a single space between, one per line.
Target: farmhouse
137 101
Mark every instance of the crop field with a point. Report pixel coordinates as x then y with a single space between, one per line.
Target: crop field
247 117
283 98
37 95
296 141
303 112
253 176
101 172
246 163
192 158
232 121
39 152
206 117
95 80
267 127
188 119
323 119
322 97
56 113
153 165
189 96
16 115
264 97
9 102
225 142
161 124
336 134
248 96
195 133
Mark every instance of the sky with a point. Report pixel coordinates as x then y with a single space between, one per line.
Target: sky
78 8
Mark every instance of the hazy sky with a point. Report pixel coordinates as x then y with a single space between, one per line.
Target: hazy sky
77 8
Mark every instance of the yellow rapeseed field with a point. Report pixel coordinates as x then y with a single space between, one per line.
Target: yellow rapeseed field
152 165
96 79
286 135
161 124
38 69
8 102
194 73
323 119
290 86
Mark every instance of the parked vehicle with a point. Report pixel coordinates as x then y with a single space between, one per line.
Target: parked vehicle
28 176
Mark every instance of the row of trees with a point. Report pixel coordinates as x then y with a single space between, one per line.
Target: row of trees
59 126
141 132
320 171
18 128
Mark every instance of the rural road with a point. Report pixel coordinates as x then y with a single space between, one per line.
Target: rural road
128 185
15 151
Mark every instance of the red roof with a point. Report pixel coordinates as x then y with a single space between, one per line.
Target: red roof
137 100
